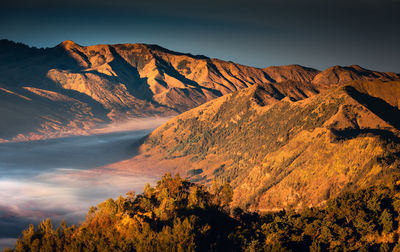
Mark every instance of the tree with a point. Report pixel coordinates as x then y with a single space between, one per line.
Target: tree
386 219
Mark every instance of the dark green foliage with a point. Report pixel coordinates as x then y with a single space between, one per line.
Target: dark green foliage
177 215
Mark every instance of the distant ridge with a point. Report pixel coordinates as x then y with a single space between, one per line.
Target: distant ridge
291 72
340 75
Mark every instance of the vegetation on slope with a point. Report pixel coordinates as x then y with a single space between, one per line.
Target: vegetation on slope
177 215
281 153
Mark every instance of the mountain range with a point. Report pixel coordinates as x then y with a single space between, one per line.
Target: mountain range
70 89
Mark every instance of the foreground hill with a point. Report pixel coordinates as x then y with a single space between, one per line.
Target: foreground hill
177 215
71 88
284 151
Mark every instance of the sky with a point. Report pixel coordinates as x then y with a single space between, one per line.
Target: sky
261 33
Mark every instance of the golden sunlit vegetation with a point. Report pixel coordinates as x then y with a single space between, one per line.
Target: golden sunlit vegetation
281 153
177 215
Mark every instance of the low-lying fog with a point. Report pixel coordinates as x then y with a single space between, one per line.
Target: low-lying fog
59 179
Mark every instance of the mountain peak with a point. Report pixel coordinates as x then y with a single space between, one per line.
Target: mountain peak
346 68
291 72
342 74
68 44
356 66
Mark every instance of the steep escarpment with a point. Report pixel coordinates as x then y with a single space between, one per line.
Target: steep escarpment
279 152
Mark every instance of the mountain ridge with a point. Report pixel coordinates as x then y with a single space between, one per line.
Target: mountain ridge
122 81
279 152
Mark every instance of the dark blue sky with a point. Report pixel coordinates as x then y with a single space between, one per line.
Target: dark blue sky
258 33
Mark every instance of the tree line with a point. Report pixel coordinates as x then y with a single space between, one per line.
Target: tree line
177 215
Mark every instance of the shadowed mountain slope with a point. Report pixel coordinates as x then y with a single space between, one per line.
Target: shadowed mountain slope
279 152
118 82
